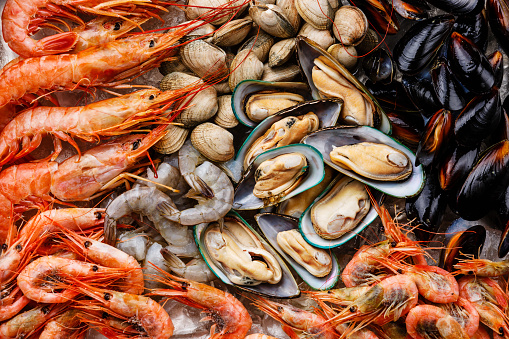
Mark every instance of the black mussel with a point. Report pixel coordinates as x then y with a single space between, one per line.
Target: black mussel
411 9
469 64
502 131
480 117
497 62
379 14
391 96
457 163
498 17
421 42
459 6
503 247
435 139
422 93
473 27
485 184
428 207
503 206
379 67
462 244
449 91
407 127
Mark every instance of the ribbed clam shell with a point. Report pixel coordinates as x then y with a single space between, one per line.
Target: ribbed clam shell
350 25
232 33
203 29
317 12
322 37
172 141
225 116
290 11
213 142
281 52
204 59
245 66
222 88
168 67
346 55
199 8
259 44
272 20
281 73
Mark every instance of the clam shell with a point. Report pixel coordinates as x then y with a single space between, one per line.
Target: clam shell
322 37
272 20
308 51
172 141
271 224
286 288
225 117
290 11
200 8
260 45
281 52
245 66
369 43
317 12
308 231
280 74
350 25
168 67
213 142
324 140
204 59
232 33
345 55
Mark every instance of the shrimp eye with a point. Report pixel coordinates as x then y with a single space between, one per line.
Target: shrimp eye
501 331
18 247
400 271
95 268
87 244
152 43
118 24
353 309
280 309
98 215
4 246
152 97
184 285
470 272
45 310
136 144
107 296
105 315
393 244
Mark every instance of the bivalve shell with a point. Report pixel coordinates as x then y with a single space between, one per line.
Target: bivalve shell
245 66
272 20
213 142
290 11
204 59
322 37
346 55
225 117
281 52
317 12
232 33
281 73
200 8
172 141
259 44
350 25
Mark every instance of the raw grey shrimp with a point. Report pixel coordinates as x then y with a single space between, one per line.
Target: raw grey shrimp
483 267
145 200
207 209
230 316
189 159
195 270
428 321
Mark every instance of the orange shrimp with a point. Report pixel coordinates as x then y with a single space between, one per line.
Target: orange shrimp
103 118
428 321
27 322
296 322
11 304
33 185
483 267
20 19
340 296
259 336
65 326
229 314
464 313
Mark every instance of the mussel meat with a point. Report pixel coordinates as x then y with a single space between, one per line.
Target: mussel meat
261 104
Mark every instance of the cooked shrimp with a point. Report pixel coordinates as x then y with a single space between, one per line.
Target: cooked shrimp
296 322
340 296
26 322
464 313
431 322
20 19
17 302
259 336
65 326
104 118
207 209
483 267
481 334
224 309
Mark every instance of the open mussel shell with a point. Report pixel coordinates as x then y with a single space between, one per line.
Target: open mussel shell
287 286
459 6
326 139
246 88
271 224
244 198
463 241
309 233
308 51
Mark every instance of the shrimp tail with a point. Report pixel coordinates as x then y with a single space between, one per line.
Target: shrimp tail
200 186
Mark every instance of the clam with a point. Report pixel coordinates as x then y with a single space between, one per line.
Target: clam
340 210
222 88
232 33
258 189
345 55
282 233
322 37
334 80
369 43
245 66
327 139
281 73
318 12
245 90
281 52
203 29
350 25
173 140
168 67
225 117
213 142
279 176
241 235
272 20
262 104
260 45
204 59
200 8
290 11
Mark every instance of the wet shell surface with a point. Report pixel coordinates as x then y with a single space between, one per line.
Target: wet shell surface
259 44
317 13
281 73
204 59
350 25
272 20
232 33
274 224
199 8
340 210
346 55
281 52
225 117
213 142
173 140
245 66
322 37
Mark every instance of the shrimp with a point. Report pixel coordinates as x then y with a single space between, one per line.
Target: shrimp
20 19
297 322
207 210
104 118
189 159
483 267
33 185
340 296
65 326
259 336
464 313
431 322
25 323
9 308
229 314
196 269
144 200
489 300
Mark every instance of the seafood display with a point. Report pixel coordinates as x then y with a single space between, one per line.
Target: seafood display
160 160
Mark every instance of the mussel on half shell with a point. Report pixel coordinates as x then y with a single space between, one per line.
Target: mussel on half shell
464 242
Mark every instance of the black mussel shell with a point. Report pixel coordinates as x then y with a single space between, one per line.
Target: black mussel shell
469 65
503 206
498 17
435 138
407 127
475 28
459 6
379 14
458 162
502 131
422 93
428 207
421 42
391 96
379 67
462 245
485 184
411 9
503 247
497 62
449 91
480 117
